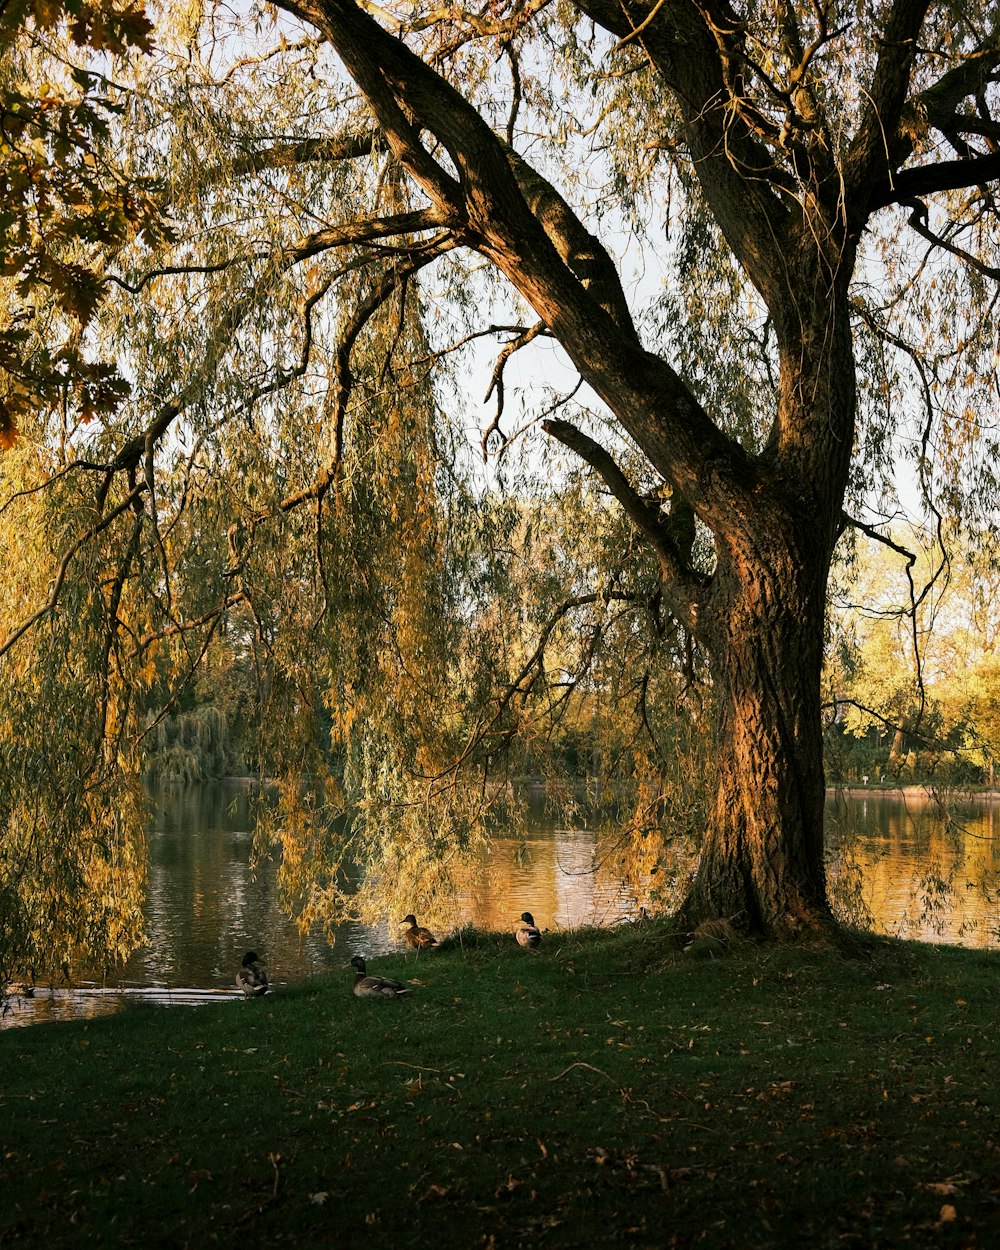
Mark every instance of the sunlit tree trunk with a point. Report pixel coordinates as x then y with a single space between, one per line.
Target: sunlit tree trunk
762 865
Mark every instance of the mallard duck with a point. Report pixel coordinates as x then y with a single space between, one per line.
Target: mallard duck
527 933
375 987
251 978
417 938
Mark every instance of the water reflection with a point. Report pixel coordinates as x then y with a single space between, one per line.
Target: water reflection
552 875
205 907
918 868
895 865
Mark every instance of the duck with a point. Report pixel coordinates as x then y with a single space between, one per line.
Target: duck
527 933
417 937
366 986
251 978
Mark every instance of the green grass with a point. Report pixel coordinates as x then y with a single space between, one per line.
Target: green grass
605 1092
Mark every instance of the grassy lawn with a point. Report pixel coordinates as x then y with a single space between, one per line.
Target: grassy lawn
604 1092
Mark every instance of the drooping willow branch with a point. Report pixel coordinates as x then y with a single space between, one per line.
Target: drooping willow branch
240 535
390 283
110 638
138 450
60 575
647 518
929 741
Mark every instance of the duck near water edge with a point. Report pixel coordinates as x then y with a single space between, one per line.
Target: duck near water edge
417 937
527 932
251 978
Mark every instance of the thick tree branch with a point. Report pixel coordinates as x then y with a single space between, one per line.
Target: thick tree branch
868 155
697 50
576 246
481 198
937 107
507 208
647 518
921 180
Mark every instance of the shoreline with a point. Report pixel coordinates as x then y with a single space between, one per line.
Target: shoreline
912 791
854 790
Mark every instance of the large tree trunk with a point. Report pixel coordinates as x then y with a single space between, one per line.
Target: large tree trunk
762 864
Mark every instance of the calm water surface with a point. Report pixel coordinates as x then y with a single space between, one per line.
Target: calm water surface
895 865
903 864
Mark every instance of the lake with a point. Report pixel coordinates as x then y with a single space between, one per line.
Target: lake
895 863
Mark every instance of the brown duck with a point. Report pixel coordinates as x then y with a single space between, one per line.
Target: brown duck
417 937
251 978
527 932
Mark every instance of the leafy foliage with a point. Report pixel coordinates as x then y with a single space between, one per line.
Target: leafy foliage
72 811
64 207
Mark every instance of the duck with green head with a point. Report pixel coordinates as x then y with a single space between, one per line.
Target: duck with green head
366 986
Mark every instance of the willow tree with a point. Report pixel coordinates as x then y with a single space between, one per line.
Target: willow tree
764 238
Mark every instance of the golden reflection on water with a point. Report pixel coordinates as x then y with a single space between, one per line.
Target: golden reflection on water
895 865
920 870
554 876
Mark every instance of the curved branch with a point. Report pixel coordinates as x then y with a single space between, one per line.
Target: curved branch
918 220
60 576
496 381
364 230
517 686
915 599
647 518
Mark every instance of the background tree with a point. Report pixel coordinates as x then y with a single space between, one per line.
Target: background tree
912 663
357 196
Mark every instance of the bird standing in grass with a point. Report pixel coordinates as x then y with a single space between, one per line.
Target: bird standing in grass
417 937
527 932
251 978
366 986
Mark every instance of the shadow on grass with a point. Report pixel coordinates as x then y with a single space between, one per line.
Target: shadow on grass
604 1091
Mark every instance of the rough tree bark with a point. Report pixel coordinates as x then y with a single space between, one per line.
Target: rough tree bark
762 623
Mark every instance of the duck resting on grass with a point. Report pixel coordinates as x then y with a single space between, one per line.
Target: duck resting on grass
251 978
366 986
527 932
417 937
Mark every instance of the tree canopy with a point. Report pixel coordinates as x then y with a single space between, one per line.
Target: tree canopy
726 277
